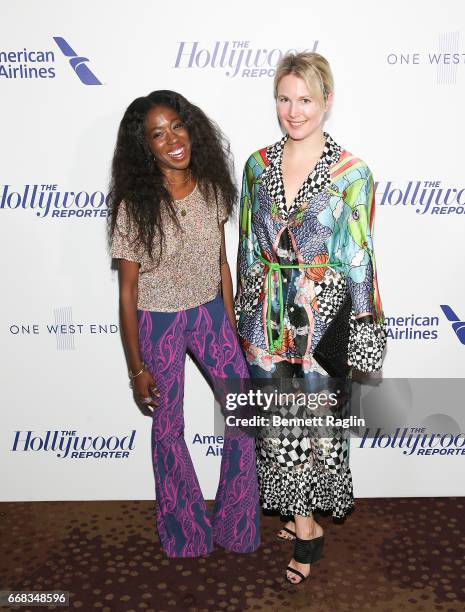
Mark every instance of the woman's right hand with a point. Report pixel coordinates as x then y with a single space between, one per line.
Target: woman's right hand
145 390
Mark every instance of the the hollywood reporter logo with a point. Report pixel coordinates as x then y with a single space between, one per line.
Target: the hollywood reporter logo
414 441
68 444
235 57
424 197
49 200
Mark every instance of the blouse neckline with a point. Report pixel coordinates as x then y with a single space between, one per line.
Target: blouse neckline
189 194
315 182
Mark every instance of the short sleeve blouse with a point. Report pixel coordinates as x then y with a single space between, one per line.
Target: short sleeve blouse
188 273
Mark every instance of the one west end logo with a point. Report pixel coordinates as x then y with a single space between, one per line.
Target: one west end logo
40 64
433 58
234 57
68 444
49 200
424 197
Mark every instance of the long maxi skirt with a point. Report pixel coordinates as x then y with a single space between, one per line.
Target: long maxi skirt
300 474
184 525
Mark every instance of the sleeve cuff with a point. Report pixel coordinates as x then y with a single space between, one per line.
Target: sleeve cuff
367 344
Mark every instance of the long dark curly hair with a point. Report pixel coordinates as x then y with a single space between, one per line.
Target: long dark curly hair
137 180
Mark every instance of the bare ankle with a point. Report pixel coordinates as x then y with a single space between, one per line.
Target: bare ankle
307 529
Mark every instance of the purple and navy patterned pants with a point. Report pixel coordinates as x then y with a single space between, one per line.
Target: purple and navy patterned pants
184 526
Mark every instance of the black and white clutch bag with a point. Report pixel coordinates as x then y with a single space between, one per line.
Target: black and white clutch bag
346 343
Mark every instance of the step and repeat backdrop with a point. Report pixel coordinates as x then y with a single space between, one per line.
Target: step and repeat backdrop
70 428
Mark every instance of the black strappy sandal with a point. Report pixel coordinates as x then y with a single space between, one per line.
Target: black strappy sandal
287 518
289 531
305 552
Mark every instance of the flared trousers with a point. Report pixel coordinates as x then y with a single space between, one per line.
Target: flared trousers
183 522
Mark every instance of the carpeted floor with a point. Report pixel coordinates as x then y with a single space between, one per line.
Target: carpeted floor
390 555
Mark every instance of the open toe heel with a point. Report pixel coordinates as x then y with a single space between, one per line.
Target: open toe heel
306 552
287 538
317 548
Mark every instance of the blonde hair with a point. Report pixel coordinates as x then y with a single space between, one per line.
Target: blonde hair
313 68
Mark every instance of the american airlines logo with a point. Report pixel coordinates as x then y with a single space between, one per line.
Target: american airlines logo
39 63
77 63
458 326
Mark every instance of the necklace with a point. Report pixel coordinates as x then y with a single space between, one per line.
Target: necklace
189 176
183 210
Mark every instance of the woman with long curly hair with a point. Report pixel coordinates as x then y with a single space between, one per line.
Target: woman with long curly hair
170 196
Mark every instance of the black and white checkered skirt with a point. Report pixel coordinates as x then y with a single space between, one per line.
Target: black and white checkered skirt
320 481
302 470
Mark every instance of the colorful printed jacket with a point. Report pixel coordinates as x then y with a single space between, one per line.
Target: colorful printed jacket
329 222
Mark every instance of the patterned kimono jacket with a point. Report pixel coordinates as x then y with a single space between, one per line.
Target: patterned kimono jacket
329 222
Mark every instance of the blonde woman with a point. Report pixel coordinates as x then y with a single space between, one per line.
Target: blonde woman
306 257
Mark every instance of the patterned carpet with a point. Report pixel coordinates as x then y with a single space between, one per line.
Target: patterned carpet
389 556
